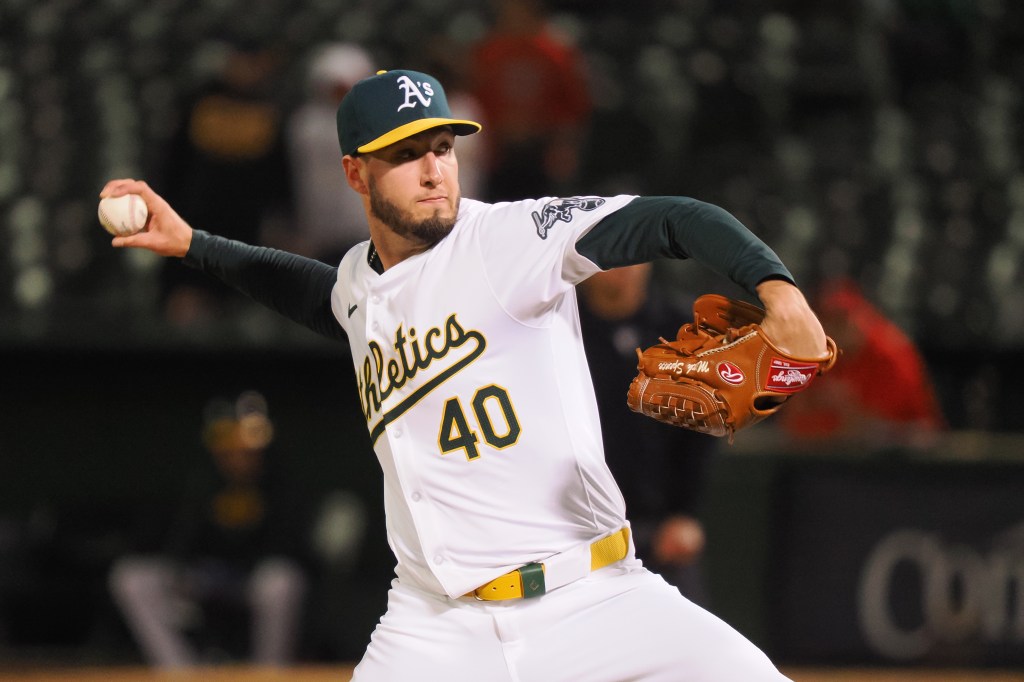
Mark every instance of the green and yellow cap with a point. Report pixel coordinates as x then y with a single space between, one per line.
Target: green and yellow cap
391 106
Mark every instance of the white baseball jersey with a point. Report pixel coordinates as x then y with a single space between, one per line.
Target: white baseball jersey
474 384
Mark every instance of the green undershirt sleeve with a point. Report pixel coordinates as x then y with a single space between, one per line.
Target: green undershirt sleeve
649 228
298 288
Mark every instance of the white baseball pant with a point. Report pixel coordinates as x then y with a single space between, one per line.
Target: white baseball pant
620 623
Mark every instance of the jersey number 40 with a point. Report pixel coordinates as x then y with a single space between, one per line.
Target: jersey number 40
492 408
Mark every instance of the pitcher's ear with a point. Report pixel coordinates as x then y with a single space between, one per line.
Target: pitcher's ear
353 167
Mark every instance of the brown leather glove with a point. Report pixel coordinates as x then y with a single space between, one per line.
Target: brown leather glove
722 373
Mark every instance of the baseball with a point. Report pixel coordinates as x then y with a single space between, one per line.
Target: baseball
124 215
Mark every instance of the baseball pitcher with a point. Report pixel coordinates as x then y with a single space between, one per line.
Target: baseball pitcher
514 559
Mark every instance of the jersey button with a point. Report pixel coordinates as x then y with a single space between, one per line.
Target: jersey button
438 559
375 298
416 497
398 433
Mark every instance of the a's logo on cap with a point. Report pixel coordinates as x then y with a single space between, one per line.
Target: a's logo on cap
412 90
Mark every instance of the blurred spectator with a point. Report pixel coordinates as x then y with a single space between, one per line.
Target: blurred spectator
879 393
226 166
533 88
329 219
233 555
660 469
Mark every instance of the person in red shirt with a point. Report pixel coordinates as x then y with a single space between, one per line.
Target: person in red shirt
879 392
532 87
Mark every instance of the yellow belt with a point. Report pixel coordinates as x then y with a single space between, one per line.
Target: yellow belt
528 581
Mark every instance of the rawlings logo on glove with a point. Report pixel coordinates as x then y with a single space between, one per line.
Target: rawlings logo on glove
722 373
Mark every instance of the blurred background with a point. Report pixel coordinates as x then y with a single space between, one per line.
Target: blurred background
877 145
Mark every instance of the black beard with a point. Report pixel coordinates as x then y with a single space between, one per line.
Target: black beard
429 231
